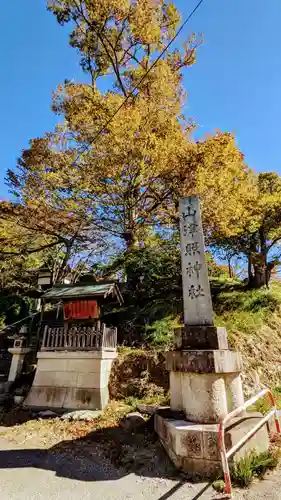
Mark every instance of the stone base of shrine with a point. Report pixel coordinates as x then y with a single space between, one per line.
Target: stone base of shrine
193 448
71 380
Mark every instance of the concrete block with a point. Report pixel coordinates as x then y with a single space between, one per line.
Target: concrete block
46 397
239 427
52 364
204 361
194 447
44 379
193 441
201 337
205 398
61 398
104 378
106 364
65 379
200 467
76 355
88 380
210 442
56 379
71 380
234 391
19 354
84 365
82 399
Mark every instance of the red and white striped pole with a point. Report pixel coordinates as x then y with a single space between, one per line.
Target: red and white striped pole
225 455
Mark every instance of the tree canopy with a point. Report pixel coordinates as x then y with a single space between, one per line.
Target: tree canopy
105 184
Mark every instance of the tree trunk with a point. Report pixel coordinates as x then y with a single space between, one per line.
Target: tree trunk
130 239
262 270
269 268
230 270
260 264
262 276
259 277
250 274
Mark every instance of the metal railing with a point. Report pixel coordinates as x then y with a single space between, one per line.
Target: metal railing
225 455
79 338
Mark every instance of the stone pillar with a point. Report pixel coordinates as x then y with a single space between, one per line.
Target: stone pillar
196 289
210 373
19 354
205 380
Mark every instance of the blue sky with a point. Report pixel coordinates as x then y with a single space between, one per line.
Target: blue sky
234 86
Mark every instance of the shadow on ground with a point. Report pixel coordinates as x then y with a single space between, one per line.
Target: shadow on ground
104 455
12 415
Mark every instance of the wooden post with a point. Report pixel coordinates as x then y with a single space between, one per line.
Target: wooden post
39 326
45 337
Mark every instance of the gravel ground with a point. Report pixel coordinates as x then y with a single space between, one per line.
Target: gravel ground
35 474
40 460
266 489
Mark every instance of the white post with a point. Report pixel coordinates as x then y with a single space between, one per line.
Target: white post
17 361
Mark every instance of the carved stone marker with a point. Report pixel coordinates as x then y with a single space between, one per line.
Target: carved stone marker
196 289
199 331
205 381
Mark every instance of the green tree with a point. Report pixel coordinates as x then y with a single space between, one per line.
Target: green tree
259 239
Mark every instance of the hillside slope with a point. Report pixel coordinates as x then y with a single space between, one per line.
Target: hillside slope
253 322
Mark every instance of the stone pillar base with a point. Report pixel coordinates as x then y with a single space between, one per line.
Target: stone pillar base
193 448
205 384
205 398
71 380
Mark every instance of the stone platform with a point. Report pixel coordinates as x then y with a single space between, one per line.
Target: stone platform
71 380
193 447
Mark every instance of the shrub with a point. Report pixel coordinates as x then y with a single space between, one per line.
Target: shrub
161 332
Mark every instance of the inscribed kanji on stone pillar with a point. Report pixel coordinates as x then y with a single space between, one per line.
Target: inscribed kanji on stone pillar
196 289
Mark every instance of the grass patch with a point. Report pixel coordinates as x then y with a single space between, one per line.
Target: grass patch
263 405
251 466
133 352
158 399
242 310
